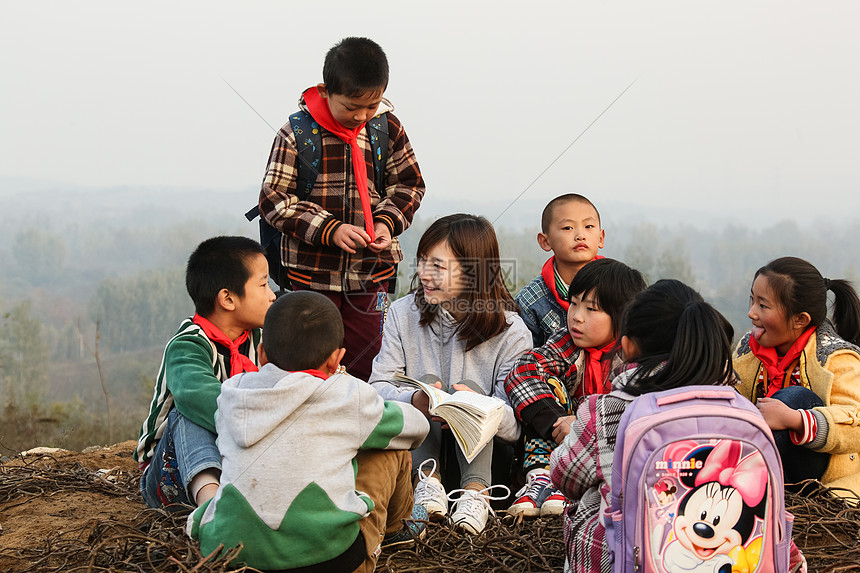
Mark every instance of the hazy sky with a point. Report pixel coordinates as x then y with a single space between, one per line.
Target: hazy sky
737 105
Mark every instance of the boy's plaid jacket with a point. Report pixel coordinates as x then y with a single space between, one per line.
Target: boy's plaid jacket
532 398
308 226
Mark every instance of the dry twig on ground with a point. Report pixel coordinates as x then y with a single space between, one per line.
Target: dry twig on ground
826 528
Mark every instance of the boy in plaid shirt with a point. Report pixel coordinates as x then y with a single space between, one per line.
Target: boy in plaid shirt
341 239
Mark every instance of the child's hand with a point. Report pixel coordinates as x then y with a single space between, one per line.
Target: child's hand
779 416
561 428
349 237
462 387
421 402
383 238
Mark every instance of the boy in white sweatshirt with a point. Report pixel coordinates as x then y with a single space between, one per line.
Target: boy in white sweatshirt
301 439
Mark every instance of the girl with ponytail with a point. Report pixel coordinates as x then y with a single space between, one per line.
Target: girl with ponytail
802 370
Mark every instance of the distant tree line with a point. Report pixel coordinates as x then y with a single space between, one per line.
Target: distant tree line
58 284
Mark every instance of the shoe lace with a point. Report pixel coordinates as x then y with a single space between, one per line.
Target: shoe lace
469 498
534 486
425 490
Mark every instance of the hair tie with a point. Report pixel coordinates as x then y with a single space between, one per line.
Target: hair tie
826 284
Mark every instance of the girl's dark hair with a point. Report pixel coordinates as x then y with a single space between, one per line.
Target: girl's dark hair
484 297
682 339
612 284
798 287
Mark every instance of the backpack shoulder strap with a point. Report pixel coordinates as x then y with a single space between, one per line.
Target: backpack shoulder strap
377 130
309 153
309 150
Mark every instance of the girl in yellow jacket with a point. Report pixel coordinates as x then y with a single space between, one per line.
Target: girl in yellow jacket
803 371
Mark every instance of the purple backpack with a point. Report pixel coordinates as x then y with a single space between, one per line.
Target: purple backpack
696 486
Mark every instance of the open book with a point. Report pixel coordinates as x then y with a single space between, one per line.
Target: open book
474 418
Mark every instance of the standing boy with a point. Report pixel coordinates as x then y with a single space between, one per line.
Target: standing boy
340 238
570 228
331 511
228 280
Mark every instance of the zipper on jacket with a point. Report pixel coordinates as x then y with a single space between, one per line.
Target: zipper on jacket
344 279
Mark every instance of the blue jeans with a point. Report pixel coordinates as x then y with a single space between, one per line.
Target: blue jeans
183 451
480 470
799 462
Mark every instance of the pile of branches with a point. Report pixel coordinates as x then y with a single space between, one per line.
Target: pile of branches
46 475
826 528
505 545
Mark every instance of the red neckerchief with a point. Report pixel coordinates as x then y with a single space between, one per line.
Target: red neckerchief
773 364
238 361
313 372
320 111
548 274
596 379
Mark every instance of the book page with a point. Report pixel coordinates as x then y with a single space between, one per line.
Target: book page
473 418
436 395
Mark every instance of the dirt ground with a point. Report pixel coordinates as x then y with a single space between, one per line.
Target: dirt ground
65 511
29 518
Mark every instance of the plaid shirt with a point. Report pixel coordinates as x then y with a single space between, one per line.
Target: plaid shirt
532 398
581 468
541 312
309 226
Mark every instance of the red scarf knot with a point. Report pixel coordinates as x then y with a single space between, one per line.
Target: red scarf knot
776 366
238 361
547 272
318 107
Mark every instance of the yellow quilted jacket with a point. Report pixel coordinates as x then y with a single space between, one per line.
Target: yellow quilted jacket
831 368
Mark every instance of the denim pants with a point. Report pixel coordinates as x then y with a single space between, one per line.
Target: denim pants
799 462
480 470
183 451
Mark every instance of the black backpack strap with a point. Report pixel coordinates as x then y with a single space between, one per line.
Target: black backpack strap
309 150
309 153
377 130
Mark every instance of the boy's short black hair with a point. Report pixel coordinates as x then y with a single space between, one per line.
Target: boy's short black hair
546 216
219 263
301 330
355 66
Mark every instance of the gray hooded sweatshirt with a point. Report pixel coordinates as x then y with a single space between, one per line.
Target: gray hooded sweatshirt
289 441
414 350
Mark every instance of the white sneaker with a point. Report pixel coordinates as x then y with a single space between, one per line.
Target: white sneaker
472 508
430 493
